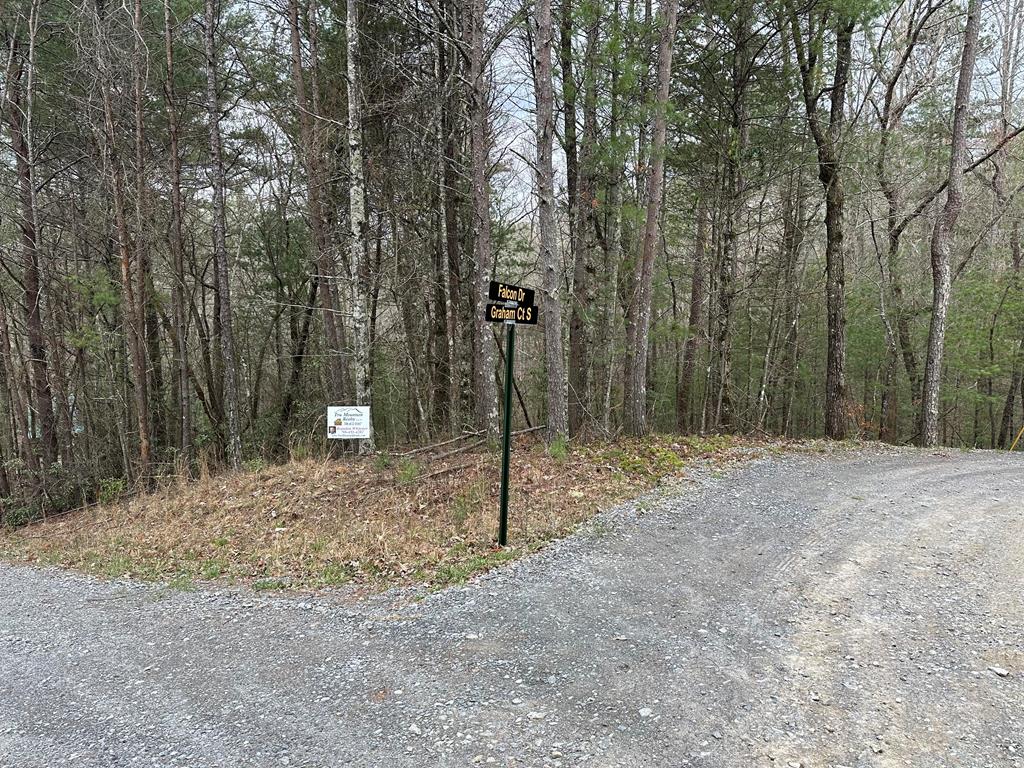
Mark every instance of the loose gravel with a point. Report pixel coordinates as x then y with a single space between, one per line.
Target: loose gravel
859 609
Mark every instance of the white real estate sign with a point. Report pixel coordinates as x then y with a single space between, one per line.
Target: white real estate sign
348 422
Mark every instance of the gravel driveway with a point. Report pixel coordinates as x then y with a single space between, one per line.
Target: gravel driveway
858 609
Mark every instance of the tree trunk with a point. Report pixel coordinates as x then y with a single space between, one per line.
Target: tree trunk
445 329
636 405
322 261
133 311
580 190
1007 70
410 308
736 147
835 278
146 305
557 425
695 323
295 372
942 234
611 171
19 117
177 248
828 138
485 389
569 138
358 254
233 438
20 433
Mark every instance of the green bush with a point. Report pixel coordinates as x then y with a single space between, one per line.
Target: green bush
254 466
15 515
408 470
48 492
558 449
468 502
111 489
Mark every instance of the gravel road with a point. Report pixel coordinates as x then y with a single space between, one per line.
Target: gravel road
857 609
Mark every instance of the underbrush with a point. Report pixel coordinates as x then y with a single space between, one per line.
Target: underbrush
39 494
419 517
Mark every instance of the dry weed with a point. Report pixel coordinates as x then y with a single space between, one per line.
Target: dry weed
372 521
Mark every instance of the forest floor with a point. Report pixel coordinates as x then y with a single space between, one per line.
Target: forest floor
863 608
422 516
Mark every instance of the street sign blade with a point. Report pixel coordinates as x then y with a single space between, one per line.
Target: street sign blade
508 292
499 313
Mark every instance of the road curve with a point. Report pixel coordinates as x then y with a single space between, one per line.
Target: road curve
857 609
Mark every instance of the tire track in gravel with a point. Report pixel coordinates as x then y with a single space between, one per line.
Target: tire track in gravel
819 611
885 721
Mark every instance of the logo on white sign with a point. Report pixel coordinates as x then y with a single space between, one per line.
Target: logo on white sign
348 422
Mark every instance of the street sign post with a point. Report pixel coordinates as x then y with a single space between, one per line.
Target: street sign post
506 438
514 307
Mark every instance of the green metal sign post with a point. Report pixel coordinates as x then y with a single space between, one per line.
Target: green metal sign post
506 438
515 307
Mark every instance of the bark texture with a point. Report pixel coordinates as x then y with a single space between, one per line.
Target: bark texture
942 234
636 402
557 421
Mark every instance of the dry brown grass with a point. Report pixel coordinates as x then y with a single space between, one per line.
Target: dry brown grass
375 521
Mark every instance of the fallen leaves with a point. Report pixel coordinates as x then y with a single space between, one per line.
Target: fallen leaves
374 521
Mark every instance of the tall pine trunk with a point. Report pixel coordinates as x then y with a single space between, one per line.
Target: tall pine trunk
177 247
579 395
828 136
942 234
484 387
358 254
636 404
19 115
557 425
695 323
143 268
133 311
232 436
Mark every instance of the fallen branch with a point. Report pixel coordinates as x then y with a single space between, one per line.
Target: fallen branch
528 430
460 449
433 446
478 443
445 470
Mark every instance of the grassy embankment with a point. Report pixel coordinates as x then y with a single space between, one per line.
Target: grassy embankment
374 522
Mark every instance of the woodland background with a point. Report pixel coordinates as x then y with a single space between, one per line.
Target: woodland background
217 217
